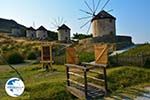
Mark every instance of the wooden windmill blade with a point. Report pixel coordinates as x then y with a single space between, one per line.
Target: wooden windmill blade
101 53
71 57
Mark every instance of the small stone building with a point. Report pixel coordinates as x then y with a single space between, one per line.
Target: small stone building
31 33
41 33
103 24
16 31
63 33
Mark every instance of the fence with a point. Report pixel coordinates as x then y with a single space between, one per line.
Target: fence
140 60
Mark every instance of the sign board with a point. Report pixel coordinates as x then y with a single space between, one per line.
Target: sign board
71 57
101 53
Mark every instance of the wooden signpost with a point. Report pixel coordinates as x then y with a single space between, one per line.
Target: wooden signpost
46 56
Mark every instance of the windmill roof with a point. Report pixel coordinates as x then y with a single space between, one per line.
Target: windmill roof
63 27
103 15
42 28
31 28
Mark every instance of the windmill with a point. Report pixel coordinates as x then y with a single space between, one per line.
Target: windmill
98 20
63 30
58 22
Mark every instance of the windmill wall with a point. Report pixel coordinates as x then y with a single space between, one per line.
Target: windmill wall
31 34
103 27
41 34
64 35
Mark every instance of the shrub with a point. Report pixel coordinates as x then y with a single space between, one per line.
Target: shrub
86 57
31 56
122 77
14 58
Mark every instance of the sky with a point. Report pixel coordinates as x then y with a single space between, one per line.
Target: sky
133 16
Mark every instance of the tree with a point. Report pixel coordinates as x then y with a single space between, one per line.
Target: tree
81 36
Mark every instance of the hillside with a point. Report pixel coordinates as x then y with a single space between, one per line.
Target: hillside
143 49
6 25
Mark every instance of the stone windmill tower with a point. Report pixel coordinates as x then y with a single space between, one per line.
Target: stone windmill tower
41 33
63 30
63 33
102 23
31 33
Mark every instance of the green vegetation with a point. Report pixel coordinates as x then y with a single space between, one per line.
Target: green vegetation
51 85
31 56
143 49
14 58
81 36
86 57
123 77
52 35
138 56
42 85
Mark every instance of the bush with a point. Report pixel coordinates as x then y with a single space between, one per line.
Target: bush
122 77
86 57
14 58
31 56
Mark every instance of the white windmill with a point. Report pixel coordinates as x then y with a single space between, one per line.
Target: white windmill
63 30
102 22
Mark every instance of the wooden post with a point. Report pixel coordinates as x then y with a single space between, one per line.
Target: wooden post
51 57
85 83
67 73
105 78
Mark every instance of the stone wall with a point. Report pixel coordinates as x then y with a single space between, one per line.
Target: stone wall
120 41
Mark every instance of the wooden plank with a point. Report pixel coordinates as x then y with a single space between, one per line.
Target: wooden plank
101 54
97 86
75 82
76 92
46 62
97 72
76 66
94 78
93 64
71 56
75 74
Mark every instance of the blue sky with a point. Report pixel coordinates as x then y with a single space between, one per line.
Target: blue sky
133 16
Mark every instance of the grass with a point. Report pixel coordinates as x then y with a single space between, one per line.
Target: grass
51 85
143 49
123 77
39 84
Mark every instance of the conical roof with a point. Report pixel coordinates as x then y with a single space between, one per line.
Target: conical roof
31 28
63 27
103 15
42 28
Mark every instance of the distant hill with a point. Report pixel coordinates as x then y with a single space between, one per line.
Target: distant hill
6 25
